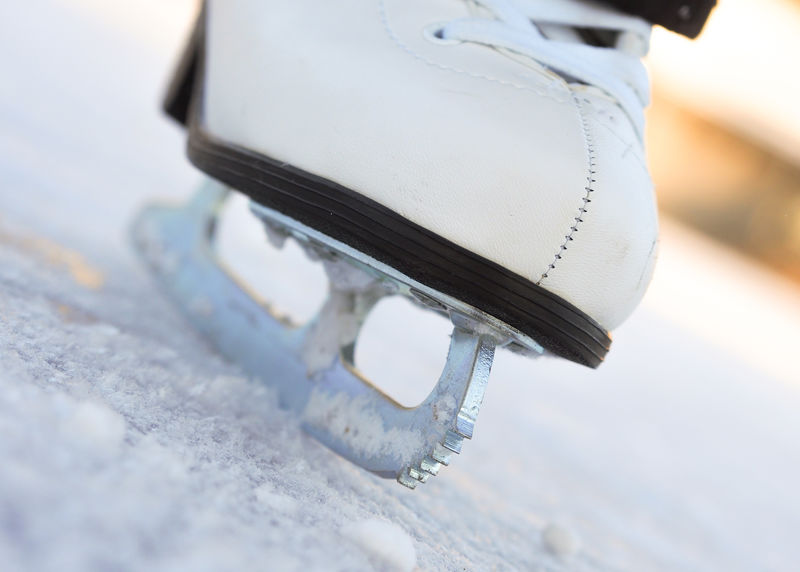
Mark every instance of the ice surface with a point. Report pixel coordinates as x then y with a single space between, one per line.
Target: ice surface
127 444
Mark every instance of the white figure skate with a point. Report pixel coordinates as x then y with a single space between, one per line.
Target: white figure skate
480 157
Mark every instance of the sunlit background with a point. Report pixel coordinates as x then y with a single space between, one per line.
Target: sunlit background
723 138
724 129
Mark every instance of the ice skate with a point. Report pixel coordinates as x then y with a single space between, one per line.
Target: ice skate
482 158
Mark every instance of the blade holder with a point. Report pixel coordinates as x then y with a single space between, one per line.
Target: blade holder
311 367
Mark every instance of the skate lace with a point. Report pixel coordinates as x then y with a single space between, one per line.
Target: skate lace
552 34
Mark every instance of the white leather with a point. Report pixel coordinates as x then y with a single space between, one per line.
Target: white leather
489 150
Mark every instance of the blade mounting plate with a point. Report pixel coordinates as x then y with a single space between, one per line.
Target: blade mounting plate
311 367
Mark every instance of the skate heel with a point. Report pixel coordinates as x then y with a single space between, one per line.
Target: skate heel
178 98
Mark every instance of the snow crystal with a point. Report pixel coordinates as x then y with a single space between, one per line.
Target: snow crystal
385 542
269 497
93 425
560 540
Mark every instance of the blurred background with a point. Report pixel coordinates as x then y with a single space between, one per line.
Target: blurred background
723 143
724 129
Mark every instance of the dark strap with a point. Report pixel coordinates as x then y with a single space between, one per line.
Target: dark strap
686 17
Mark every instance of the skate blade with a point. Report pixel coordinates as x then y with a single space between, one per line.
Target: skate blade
311 367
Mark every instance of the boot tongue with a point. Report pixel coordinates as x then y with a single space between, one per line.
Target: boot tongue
633 44
588 22
625 41
574 21
583 42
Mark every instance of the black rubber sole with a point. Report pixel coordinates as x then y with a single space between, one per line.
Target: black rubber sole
379 232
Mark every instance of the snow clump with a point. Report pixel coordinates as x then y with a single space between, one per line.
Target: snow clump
385 542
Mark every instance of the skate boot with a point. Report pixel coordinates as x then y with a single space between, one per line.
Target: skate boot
481 157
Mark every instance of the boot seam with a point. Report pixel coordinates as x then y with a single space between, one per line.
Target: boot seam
587 197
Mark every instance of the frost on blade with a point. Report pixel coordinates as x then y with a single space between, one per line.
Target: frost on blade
444 408
150 241
355 422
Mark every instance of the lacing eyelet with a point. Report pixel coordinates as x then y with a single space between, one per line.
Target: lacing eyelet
435 33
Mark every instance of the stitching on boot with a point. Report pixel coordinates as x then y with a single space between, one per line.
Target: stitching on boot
400 44
587 197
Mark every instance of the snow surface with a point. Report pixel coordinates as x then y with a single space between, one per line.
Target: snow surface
126 443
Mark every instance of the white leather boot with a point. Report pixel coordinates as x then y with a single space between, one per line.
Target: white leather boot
489 149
